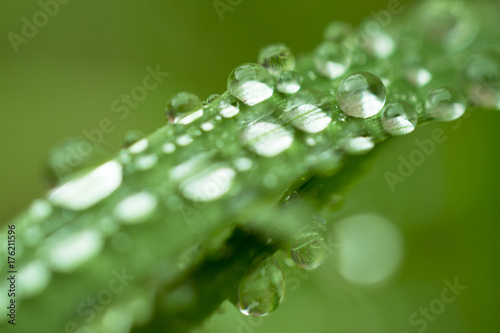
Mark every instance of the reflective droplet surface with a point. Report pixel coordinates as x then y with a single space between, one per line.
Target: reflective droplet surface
289 82
445 104
262 290
228 106
146 162
85 191
139 147
209 185
267 139
251 84
375 41
33 278
399 118
331 60
361 95
418 76
358 145
276 58
302 113
482 75
184 108
136 208
310 249
132 137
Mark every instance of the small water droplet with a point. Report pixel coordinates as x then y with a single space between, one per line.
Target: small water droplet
168 148
358 145
207 127
361 95
262 290
399 118
243 164
208 185
34 278
68 252
267 139
276 58
331 60
136 208
289 82
211 98
139 146
39 210
184 108
310 249
229 106
302 113
445 104
184 140
251 84
83 192
418 76
146 162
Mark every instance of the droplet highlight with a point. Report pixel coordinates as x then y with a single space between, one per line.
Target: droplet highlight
251 84
361 95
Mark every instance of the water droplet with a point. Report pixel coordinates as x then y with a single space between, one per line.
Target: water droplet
267 139
375 41
136 208
184 108
358 145
209 185
331 60
482 74
68 252
34 278
132 137
39 210
399 118
168 148
229 106
211 98
418 76
184 140
262 290
361 95
340 33
139 146
449 24
305 115
146 162
251 84
370 248
310 249
445 104
276 58
289 82
243 164
207 127
83 192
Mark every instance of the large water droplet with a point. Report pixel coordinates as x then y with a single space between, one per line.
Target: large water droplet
136 208
68 252
289 82
267 139
331 60
276 58
208 185
399 118
445 104
85 191
251 84
262 290
361 95
310 249
184 108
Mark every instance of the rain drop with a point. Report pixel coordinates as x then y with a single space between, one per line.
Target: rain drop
289 82
361 95
331 60
399 118
358 145
251 84
276 58
310 249
136 208
267 139
445 104
262 290
228 106
302 113
417 76
184 108
209 185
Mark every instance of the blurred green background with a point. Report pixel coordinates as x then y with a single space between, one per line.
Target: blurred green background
64 80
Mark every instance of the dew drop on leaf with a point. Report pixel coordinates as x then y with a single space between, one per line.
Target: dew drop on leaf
399 118
262 289
341 33
361 95
331 60
276 58
445 104
136 208
251 84
208 185
228 106
267 139
358 145
289 82
310 249
184 108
